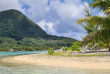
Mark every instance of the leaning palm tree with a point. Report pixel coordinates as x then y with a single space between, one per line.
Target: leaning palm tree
89 28
103 23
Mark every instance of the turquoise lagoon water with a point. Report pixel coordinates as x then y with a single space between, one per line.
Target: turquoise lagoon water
8 68
5 54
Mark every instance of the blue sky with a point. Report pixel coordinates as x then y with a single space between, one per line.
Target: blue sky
56 17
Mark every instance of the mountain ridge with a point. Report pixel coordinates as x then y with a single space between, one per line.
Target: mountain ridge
17 23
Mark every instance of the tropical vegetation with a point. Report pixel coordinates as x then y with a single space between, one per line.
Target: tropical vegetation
50 51
102 34
75 47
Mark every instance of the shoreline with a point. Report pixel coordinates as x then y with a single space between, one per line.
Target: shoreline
102 62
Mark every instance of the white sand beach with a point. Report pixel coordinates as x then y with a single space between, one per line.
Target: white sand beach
66 62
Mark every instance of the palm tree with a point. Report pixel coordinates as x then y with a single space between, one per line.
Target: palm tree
89 29
102 4
103 23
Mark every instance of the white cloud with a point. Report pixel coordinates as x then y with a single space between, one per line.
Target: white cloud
37 9
58 18
10 4
48 27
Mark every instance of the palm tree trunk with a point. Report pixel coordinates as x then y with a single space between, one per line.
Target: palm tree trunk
108 44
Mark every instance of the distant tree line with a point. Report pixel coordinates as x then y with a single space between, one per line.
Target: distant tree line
32 44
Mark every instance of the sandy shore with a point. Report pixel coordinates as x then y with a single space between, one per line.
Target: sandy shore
66 62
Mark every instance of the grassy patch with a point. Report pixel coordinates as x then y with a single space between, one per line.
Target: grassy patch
91 55
71 55
58 53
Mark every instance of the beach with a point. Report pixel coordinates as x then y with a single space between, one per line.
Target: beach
96 62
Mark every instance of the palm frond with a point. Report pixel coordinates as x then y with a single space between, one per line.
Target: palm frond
96 21
87 11
100 35
103 5
107 11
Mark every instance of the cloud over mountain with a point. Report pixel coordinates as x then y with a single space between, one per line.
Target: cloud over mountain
56 17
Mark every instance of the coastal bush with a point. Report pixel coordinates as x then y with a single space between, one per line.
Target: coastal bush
50 51
75 47
100 45
1 50
65 49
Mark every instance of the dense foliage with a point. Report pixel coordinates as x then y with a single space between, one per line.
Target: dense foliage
32 44
75 47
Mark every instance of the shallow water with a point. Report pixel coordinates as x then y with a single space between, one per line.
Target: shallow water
47 70
11 68
5 54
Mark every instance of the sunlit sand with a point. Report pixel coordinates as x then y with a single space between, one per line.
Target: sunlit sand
102 62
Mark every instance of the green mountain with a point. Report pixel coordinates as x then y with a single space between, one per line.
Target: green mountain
15 25
17 31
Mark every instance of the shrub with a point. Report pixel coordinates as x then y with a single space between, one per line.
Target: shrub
65 49
75 47
50 51
0 49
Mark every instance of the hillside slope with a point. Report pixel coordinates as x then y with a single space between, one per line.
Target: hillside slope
15 25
